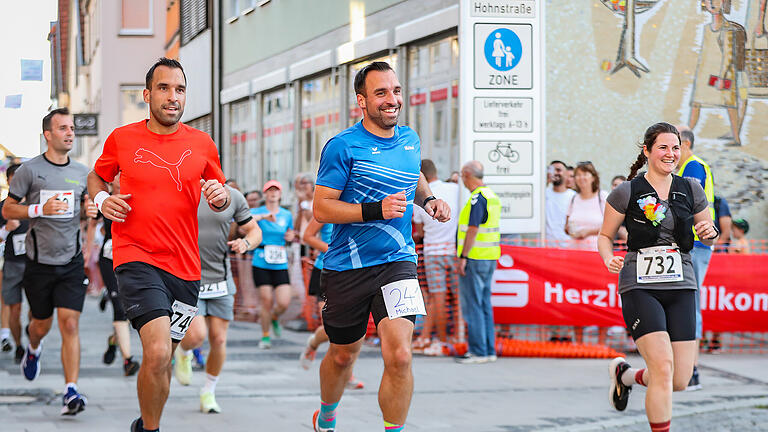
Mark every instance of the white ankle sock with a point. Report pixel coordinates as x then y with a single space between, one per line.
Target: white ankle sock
210 383
73 386
5 333
38 350
628 377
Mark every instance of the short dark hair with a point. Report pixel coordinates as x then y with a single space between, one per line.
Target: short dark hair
558 162
49 116
363 73
687 135
428 168
11 170
163 61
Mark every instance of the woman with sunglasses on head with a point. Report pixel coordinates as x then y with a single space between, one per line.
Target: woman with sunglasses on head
656 280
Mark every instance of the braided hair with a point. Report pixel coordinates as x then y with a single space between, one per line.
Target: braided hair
648 140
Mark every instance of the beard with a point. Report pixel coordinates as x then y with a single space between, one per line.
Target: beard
165 119
557 180
381 119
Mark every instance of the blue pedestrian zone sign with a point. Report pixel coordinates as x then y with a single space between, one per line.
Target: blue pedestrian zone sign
503 49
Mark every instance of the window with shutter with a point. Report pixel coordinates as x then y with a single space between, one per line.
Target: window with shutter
194 19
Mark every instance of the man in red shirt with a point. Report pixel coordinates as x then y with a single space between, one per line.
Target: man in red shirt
163 165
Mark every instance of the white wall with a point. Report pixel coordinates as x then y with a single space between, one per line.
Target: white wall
195 57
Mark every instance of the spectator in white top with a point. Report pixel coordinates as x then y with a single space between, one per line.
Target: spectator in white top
584 220
585 212
440 262
558 197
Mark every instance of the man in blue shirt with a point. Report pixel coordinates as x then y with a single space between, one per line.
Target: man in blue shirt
367 183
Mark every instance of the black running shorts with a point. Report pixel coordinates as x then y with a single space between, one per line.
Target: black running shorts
270 277
352 295
673 311
148 292
314 283
110 281
54 286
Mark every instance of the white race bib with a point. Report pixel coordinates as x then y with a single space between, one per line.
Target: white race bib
275 254
214 290
20 244
181 319
67 196
403 298
107 249
659 264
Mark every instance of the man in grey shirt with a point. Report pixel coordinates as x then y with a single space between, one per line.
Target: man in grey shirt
217 291
53 186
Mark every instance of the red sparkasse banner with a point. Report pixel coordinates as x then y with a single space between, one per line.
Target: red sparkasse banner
573 287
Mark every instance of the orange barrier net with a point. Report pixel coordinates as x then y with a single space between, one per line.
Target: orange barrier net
512 340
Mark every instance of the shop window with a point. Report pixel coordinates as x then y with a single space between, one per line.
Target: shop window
320 105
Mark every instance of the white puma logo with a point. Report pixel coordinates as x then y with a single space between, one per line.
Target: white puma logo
145 156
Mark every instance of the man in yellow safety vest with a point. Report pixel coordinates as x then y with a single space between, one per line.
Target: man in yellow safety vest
478 249
694 167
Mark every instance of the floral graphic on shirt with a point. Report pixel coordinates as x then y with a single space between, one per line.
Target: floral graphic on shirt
654 212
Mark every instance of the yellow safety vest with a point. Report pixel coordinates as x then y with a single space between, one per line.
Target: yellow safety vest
486 245
709 186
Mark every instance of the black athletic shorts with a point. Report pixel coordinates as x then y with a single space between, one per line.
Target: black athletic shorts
352 295
314 284
148 292
110 281
54 286
270 277
673 311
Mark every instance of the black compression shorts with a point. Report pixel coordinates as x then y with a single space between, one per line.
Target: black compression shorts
673 311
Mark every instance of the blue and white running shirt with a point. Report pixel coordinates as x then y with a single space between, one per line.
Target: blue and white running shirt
368 168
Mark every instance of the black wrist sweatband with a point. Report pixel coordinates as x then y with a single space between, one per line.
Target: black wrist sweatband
226 200
372 211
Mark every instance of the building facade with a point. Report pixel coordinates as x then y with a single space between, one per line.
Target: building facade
105 48
287 90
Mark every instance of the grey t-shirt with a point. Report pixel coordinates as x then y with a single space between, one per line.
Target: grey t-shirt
213 230
619 200
54 239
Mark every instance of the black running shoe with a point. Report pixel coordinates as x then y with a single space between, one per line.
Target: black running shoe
103 300
137 425
109 354
6 345
130 367
619 393
19 355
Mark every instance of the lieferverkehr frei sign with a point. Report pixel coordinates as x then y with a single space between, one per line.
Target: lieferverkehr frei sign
504 8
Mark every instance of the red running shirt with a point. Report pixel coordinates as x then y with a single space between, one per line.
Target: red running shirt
162 174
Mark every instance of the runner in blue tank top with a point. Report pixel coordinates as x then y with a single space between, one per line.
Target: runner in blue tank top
270 260
368 180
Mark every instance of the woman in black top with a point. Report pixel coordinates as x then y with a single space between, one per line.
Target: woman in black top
656 279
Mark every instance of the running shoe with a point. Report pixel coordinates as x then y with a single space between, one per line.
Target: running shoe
19 355
6 344
469 358
182 367
137 425
103 300
73 402
130 366
316 426
492 358
30 365
694 383
354 383
435 349
308 355
619 392
197 353
109 354
277 329
208 403
265 343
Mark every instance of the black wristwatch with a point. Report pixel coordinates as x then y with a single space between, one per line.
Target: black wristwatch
463 257
428 199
